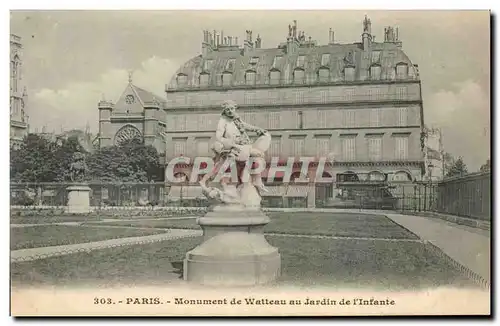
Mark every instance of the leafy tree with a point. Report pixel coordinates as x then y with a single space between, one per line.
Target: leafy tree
34 160
458 168
129 162
486 167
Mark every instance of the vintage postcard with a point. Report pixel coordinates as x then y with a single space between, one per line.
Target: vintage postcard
250 163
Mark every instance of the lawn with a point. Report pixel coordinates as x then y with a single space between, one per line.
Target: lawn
334 224
49 219
306 262
54 235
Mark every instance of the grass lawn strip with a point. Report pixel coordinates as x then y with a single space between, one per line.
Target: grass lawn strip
307 262
56 235
306 223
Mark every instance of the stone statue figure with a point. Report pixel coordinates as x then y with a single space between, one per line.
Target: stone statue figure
232 142
289 30
78 168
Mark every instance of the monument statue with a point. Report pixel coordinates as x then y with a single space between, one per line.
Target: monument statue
232 142
78 168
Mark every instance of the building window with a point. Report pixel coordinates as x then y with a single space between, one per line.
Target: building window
250 97
349 74
274 77
254 60
277 61
204 79
401 147
348 118
226 79
375 72
348 94
375 117
275 147
298 76
301 61
325 59
179 147
379 93
369 94
402 117
250 77
376 57
181 80
323 96
402 71
402 93
202 146
299 97
324 75
249 117
375 149
180 123
348 144
298 146
322 146
274 120
230 64
322 118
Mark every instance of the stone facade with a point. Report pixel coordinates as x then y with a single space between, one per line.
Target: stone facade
18 94
359 104
138 114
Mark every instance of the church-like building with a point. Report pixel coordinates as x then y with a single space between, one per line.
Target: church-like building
18 95
138 114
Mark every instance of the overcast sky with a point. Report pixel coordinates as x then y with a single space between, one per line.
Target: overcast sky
73 59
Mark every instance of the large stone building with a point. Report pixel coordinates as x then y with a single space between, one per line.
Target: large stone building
18 95
357 104
138 114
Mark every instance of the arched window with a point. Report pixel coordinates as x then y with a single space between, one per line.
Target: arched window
181 80
250 77
402 176
349 73
128 134
376 176
274 77
227 78
323 75
298 76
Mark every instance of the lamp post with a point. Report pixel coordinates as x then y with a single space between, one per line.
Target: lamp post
431 191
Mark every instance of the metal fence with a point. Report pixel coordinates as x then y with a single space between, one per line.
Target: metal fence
467 196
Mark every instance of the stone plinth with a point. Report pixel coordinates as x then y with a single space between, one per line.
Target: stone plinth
235 251
78 199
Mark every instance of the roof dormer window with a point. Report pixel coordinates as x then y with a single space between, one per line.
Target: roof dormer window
204 78
401 70
227 78
274 77
325 59
181 80
349 73
298 76
375 72
250 77
323 75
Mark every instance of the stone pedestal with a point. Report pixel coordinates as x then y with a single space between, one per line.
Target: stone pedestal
235 251
78 199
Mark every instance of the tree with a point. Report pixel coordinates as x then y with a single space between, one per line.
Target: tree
458 168
129 162
64 152
34 161
486 167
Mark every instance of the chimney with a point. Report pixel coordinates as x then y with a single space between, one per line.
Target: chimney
235 41
367 33
292 43
248 46
258 42
206 45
